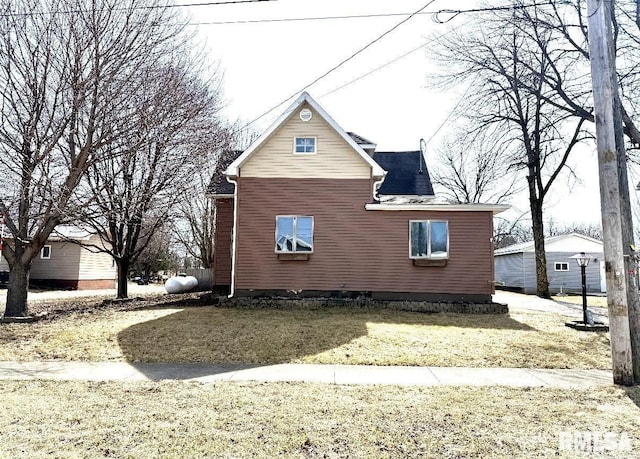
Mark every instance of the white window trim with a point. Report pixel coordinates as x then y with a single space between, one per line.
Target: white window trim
295 217
429 256
303 153
556 263
42 252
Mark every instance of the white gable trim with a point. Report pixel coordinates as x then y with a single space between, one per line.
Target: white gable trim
233 169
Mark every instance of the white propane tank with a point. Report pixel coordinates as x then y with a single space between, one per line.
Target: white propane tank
180 284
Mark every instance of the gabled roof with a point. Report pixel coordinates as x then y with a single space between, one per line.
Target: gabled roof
66 232
219 185
407 174
366 144
573 242
232 170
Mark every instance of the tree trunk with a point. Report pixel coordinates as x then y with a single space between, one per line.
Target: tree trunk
123 270
17 290
542 281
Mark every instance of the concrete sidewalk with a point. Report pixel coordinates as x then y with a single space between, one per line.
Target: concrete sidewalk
329 374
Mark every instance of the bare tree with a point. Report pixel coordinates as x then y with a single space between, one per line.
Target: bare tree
508 232
175 131
65 68
158 255
591 230
512 105
195 223
194 227
570 88
472 169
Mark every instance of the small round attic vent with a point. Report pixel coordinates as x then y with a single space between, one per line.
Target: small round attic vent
305 114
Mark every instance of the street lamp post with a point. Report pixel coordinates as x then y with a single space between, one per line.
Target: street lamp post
583 262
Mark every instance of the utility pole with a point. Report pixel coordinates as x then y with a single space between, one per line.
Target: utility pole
604 82
630 256
631 259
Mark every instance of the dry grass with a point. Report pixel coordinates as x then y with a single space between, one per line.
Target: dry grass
332 335
187 420
592 301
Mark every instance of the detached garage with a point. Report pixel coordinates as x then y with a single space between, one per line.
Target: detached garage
515 265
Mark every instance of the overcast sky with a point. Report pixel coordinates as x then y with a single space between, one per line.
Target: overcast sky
390 103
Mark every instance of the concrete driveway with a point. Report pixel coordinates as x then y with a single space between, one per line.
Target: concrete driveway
520 301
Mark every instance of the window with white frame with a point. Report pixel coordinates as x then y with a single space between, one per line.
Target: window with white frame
561 266
304 145
428 239
294 234
45 252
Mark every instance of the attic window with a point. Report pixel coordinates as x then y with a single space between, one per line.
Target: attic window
304 145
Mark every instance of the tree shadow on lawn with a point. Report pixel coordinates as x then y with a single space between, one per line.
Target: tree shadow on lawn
634 394
255 336
270 336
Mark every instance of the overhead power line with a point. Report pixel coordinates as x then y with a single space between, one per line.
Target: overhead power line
435 13
393 61
340 64
313 18
142 7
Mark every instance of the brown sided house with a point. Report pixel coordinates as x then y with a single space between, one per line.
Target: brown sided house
311 210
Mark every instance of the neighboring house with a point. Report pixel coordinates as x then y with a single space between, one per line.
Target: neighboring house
311 210
516 265
63 263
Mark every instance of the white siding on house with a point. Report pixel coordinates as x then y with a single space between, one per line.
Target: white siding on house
334 157
559 249
509 270
96 265
571 280
70 261
529 272
518 270
63 264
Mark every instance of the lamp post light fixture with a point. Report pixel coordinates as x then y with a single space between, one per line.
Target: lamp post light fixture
583 261
587 323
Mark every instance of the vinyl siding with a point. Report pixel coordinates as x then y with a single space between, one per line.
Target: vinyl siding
529 271
70 262
571 280
509 270
63 264
222 243
354 249
518 270
96 265
334 158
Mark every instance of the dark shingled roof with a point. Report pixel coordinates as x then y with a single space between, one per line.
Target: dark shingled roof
403 174
219 184
359 139
407 173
